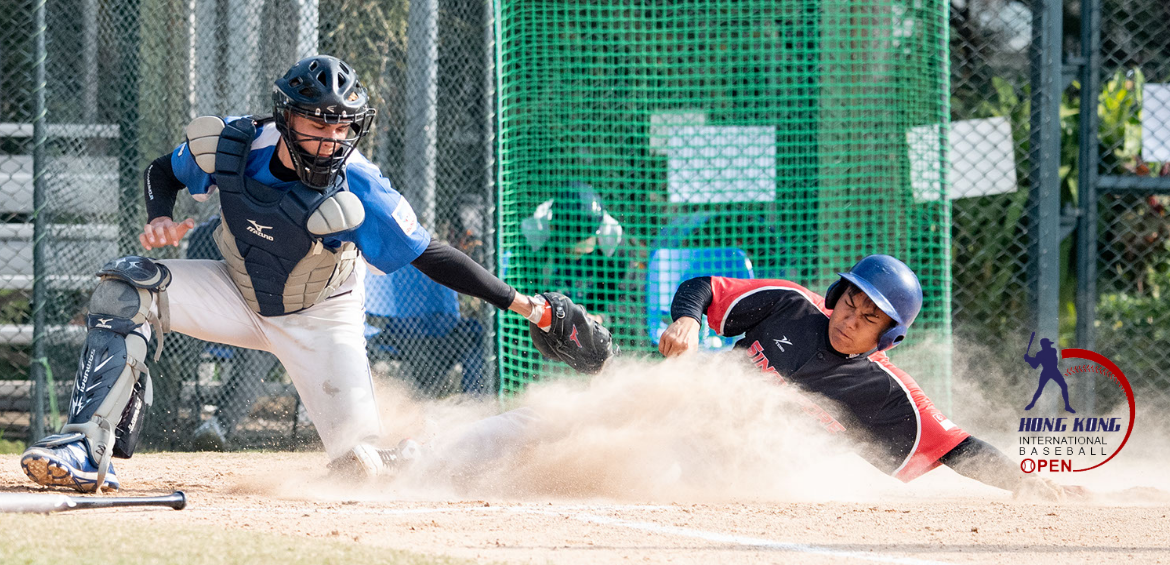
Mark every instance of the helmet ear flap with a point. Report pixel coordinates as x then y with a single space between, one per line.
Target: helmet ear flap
834 293
891 337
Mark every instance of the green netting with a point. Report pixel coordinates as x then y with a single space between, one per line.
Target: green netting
801 135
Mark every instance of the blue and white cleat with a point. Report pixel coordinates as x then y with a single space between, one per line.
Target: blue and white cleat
63 460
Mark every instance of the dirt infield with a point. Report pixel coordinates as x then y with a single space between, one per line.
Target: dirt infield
285 493
670 462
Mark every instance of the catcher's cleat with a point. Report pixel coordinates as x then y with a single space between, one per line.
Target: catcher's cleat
365 461
54 464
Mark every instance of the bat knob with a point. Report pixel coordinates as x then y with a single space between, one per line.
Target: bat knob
181 503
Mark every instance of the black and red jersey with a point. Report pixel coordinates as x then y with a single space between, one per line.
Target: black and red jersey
785 329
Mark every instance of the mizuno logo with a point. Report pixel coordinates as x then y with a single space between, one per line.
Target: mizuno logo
104 323
258 229
575 339
782 342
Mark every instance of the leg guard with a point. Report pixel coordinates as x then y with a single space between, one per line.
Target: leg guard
112 389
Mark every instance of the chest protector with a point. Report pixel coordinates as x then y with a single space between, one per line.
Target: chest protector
271 238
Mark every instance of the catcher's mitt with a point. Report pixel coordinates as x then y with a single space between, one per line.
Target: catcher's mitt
574 338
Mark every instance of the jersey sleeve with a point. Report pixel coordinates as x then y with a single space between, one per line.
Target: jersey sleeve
937 435
188 172
737 305
390 237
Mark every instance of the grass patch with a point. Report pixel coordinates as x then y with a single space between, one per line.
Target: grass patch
34 539
10 447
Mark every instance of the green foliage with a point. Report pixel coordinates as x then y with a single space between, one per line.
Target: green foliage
1119 112
10 447
990 233
1132 324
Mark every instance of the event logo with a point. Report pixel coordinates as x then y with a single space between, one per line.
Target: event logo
1072 443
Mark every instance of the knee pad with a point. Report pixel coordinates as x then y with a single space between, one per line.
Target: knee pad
112 387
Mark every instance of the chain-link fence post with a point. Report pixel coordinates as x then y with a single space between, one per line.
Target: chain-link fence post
1087 233
36 427
1044 245
421 93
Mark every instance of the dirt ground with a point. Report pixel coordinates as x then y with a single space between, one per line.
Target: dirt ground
688 461
942 518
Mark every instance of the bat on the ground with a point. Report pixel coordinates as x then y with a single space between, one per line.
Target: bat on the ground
1029 351
46 503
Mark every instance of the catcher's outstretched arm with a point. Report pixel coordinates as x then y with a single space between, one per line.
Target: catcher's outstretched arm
560 329
453 269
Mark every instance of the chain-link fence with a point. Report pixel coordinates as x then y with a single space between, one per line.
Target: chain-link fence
121 80
1132 185
95 90
1113 252
990 178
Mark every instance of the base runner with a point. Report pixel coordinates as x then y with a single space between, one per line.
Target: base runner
833 349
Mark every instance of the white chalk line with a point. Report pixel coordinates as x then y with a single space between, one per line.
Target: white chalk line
356 509
733 539
573 512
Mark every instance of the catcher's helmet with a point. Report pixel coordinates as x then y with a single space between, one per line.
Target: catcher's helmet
891 285
325 89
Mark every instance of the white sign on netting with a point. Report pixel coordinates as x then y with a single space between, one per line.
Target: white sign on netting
708 164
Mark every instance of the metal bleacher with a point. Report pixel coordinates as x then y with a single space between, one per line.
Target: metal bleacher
81 204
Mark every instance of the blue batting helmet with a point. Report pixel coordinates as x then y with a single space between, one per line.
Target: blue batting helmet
891 285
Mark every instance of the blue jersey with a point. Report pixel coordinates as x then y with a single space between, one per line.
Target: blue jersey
389 238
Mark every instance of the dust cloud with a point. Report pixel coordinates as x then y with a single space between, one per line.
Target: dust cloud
700 429
989 403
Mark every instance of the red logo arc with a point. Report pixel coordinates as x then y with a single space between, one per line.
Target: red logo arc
1121 380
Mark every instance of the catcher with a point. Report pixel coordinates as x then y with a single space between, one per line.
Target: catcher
300 205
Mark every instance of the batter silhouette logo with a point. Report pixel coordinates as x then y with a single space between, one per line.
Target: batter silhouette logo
1070 442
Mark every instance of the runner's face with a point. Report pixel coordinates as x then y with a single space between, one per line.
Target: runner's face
856 323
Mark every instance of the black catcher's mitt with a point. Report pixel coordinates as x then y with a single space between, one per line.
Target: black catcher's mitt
574 339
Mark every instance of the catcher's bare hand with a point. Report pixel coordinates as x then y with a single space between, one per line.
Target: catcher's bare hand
681 337
164 231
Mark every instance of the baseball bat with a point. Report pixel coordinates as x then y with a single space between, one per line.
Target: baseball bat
1029 351
46 503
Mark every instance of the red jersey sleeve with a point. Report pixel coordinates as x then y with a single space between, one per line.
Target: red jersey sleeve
937 435
738 300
